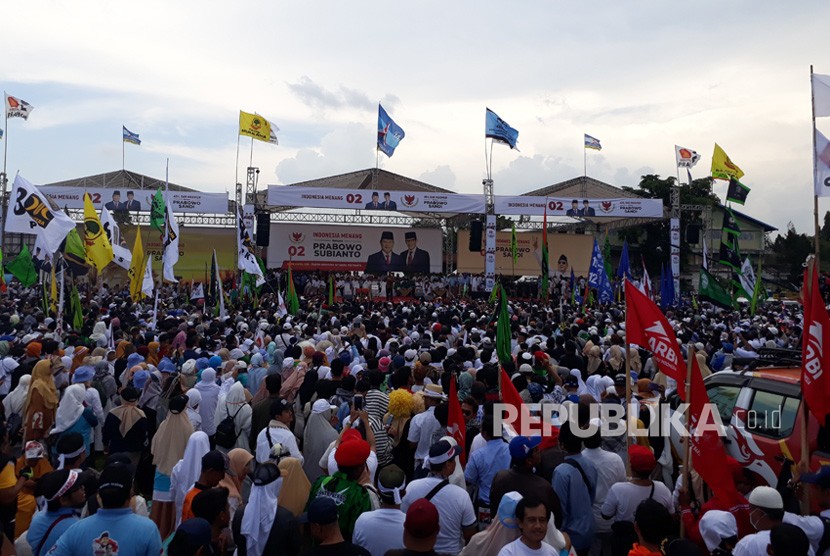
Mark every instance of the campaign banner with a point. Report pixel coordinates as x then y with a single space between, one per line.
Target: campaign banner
579 207
565 251
489 253
377 199
376 250
135 200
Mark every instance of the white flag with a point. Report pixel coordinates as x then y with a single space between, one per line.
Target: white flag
29 212
705 255
122 256
821 95
17 108
222 312
171 243
198 292
822 183
747 278
41 253
246 260
110 226
281 309
147 285
686 158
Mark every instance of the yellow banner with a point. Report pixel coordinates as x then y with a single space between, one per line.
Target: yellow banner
254 125
96 244
722 167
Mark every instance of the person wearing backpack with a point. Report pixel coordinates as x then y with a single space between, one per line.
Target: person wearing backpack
575 483
233 420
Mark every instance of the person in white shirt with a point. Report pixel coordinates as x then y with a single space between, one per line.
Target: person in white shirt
532 517
278 432
424 428
766 512
382 529
623 498
610 470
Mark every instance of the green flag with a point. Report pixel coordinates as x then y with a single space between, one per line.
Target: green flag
292 302
730 223
504 347
75 254
514 246
494 295
711 290
77 309
157 211
737 192
756 294
331 289
23 268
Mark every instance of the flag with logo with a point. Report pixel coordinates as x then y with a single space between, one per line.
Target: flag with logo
686 158
74 254
136 270
728 254
624 269
711 290
171 244
504 336
815 354
129 137
646 326
147 282
498 130
17 107
23 267
722 166
747 278
246 258
730 223
110 226
545 263
390 134
30 212
822 177
737 192
96 243
157 212
592 143
821 95
257 127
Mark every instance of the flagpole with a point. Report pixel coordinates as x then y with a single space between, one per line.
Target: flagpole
123 165
236 170
627 398
584 161
687 473
4 177
815 170
251 164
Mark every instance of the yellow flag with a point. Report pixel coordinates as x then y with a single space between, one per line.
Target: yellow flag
96 243
136 271
53 303
254 125
722 167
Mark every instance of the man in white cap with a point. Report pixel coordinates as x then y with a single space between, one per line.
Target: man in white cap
766 511
424 427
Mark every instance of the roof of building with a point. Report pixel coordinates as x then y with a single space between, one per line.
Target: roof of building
582 186
120 179
371 178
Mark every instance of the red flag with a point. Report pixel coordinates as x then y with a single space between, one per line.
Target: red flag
456 425
646 326
707 452
815 350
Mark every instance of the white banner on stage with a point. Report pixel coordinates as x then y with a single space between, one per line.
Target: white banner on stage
377 199
579 207
133 200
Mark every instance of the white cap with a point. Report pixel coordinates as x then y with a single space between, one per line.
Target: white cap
766 497
320 406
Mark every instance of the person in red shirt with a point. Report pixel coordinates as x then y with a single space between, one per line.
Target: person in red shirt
214 467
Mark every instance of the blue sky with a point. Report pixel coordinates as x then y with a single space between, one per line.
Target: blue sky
640 76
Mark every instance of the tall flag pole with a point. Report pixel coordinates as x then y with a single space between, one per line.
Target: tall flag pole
590 143
545 262
14 107
514 247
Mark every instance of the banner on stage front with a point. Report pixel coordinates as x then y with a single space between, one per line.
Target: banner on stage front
375 250
135 200
377 199
622 207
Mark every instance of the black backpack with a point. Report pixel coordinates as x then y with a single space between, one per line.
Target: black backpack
226 430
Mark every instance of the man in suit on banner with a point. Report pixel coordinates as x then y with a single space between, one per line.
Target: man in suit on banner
414 259
374 204
385 260
388 203
132 204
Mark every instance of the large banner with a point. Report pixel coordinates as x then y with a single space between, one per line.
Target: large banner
132 200
379 199
579 207
565 252
355 248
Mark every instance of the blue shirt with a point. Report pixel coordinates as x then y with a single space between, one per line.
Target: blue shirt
577 499
117 531
483 465
41 523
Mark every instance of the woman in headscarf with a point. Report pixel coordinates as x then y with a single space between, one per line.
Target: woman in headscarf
295 486
235 405
634 360
153 356
148 401
616 359
41 403
317 436
194 397
257 371
74 416
187 470
594 387
594 359
99 334
16 400
292 384
168 447
122 351
581 388
125 428
78 357
239 465
209 390
465 385
105 383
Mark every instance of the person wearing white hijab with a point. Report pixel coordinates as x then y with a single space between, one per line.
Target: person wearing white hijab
70 416
235 405
194 397
582 388
261 510
187 471
209 390
14 402
7 366
317 437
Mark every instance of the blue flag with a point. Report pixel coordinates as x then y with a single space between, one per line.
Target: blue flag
129 137
624 269
498 130
597 278
666 288
389 133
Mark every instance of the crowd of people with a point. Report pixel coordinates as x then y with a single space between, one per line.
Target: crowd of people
326 432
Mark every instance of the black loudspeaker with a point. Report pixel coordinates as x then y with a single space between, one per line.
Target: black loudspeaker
693 233
263 229
476 229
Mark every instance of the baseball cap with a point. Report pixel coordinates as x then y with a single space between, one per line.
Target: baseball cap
266 473
322 511
521 446
192 535
570 381
215 461
820 477
641 458
619 380
352 453
766 497
391 481
115 476
422 519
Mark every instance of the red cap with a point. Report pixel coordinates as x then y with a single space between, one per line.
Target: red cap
350 434
422 519
352 453
641 458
